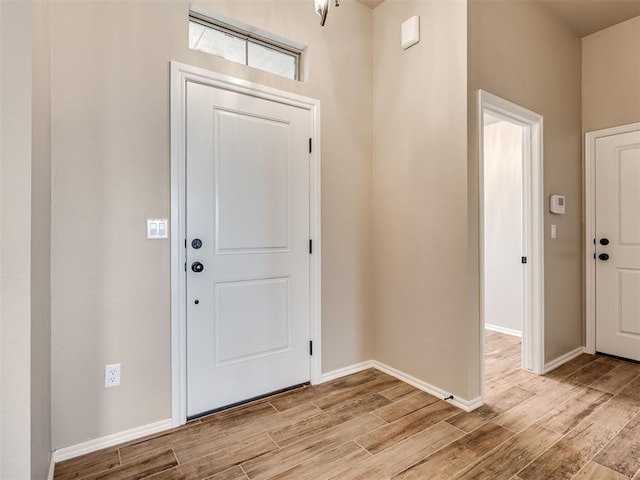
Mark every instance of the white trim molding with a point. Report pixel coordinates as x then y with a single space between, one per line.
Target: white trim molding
505 330
343 372
163 425
533 227
52 467
590 225
562 359
180 75
466 405
110 440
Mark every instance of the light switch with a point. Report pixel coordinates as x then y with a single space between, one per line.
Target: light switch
554 231
157 228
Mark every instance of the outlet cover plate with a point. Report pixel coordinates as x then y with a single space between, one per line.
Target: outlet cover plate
112 375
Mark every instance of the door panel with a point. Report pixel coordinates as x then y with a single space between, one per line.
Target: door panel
618 221
629 284
252 178
257 306
248 202
629 196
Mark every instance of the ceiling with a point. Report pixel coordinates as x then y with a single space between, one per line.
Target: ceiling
583 16
371 3
589 16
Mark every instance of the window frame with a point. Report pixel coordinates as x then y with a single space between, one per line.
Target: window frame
250 35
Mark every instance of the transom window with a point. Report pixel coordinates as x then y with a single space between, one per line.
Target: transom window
244 44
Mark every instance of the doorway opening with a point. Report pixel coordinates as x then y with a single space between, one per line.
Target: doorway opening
504 247
511 238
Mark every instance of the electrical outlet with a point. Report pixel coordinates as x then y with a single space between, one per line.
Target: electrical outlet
112 375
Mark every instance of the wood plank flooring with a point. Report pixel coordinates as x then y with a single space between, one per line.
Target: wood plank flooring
581 421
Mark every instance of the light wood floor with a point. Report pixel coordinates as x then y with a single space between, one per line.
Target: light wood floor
580 421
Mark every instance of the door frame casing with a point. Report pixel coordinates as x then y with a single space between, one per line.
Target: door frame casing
590 225
533 228
180 75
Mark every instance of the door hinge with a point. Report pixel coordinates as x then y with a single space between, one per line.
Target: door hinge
310 246
185 266
310 146
311 347
524 259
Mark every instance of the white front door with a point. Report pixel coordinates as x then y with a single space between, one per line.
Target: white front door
618 245
247 247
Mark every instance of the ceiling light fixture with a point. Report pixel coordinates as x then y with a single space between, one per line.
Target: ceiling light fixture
322 8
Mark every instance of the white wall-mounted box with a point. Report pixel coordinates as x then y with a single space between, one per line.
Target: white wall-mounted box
410 32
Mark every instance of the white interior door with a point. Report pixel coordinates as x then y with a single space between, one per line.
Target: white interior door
247 227
618 245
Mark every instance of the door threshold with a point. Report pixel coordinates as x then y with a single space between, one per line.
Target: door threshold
624 359
248 401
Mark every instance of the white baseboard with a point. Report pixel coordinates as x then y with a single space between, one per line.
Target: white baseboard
499 329
52 466
553 364
343 372
144 430
110 440
466 405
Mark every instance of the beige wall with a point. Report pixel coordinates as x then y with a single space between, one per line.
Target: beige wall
40 248
611 76
25 366
110 167
519 51
399 232
15 239
419 195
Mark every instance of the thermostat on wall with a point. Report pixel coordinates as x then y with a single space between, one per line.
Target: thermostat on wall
557 204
